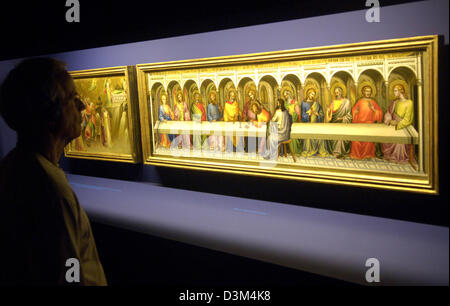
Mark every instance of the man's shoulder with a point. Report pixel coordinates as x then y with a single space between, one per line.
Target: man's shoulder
22 179
17 161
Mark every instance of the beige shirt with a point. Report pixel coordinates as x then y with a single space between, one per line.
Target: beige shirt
78 226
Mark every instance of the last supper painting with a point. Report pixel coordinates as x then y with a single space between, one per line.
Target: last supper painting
363 114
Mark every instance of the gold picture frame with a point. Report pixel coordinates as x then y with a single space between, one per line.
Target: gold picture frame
404 154
110 120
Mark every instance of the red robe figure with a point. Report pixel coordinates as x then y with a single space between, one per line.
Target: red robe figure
366 110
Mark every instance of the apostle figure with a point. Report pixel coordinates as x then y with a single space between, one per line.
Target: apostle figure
249 115
401 115
279 130
90 128
105 127
107 91
79 144
366 110
214 114
198 115
123 136
181 113
262 117
98 120
232 113
312 112
339 111
165 114
291 105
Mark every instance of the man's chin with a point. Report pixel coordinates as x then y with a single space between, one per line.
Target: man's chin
72 137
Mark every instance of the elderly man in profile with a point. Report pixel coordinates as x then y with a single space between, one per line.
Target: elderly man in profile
43 224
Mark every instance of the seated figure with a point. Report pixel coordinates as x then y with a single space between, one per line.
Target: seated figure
279 130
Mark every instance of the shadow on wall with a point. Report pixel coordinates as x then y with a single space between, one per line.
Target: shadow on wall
105 169
7 138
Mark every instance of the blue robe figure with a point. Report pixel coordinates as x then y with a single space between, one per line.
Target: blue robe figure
312 112
165 114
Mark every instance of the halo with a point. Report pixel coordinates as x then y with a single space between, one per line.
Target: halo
162 92
229 91
393 84
371 85
255 103
210 88
286 88
341 86
177 92
309 87
249 87
212 91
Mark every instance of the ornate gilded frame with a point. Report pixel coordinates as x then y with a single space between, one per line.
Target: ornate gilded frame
132 115
424 58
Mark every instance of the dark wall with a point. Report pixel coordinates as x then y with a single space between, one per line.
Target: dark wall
105 22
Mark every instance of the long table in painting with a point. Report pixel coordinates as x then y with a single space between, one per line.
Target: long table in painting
371 132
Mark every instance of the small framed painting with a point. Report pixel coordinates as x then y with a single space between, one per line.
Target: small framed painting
110 124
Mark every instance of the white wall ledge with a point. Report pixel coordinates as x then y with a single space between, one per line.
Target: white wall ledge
328 243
